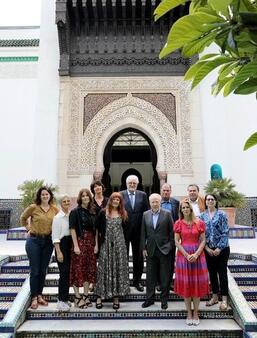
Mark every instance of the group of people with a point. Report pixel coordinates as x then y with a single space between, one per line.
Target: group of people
102 229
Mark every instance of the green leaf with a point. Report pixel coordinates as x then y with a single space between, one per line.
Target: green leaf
193 70
247 5
196 4
220 5
226 87
187 29
208 67
251 141
165 6
208 56
247 87
227 69
243 74
216 88
197 46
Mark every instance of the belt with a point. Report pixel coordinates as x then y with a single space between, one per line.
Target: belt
40 236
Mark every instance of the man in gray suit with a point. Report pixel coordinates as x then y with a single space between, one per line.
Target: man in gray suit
157 242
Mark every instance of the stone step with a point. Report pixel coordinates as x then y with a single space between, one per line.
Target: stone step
240 266
249 278
128 310
51 294
249 291
4 307
8 293
140 328
12 279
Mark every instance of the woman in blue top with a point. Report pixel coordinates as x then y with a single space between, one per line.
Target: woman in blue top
216 250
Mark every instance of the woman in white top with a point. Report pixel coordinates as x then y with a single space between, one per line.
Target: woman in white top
62 242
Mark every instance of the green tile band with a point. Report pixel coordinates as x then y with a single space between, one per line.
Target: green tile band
19 43
18 58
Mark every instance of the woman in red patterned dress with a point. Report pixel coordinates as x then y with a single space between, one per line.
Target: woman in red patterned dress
85 247
191 276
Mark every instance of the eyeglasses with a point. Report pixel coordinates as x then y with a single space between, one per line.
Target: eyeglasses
210 199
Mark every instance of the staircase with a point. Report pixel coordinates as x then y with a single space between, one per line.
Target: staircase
130 321
13 274
245 274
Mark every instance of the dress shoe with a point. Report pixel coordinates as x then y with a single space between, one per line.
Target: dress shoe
139 287
147 303
164 305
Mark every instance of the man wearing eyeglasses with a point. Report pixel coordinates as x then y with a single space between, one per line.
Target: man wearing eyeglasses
136 204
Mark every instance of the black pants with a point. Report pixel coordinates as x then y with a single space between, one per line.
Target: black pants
217 266
64 268
138 262
158 264
172 260
39 251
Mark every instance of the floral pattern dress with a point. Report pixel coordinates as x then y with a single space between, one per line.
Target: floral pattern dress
112 270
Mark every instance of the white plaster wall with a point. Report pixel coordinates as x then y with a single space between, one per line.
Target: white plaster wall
17 113
227 123
46 126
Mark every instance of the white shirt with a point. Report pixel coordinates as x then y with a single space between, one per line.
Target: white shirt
195 207
60 227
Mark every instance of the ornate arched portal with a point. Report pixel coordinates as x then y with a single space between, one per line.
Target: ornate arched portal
81 146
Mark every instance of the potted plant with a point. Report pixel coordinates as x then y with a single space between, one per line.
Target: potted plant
229 199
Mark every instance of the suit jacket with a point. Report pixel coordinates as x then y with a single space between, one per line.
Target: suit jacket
162 236
174 208
135 215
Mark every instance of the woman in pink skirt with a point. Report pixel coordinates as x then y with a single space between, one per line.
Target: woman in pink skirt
191 276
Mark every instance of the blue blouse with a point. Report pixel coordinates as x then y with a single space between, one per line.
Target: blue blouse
217 229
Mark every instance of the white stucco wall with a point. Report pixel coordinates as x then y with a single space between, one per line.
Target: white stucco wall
29 94
46 123
18 92
227 123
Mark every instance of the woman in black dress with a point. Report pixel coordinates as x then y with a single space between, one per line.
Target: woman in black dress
85 247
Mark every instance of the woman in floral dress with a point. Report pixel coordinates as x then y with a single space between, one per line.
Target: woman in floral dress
112 271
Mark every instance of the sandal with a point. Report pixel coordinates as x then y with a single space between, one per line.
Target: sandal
79 302
41 301
116 304
87 300
211 302
34 303
99 303
223 305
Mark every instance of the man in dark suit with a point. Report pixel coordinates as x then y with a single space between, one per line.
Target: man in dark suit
172 205
157 242
136 203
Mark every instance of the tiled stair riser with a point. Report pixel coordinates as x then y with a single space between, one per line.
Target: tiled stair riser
129 334
92 314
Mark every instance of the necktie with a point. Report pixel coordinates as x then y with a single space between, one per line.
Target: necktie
132 200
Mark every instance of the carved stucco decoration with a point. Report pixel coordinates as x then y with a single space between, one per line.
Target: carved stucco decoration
86 151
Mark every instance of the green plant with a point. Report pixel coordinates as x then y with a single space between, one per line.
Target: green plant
29 189
224 190
232 26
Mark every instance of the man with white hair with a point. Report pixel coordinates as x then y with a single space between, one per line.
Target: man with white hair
157 243
135 203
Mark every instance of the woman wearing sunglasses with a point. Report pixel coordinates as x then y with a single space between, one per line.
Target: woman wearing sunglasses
216 250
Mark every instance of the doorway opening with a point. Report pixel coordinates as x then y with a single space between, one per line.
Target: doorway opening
130 152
